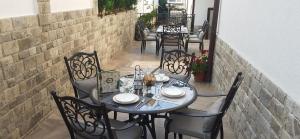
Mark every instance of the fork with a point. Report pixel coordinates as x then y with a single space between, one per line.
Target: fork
142 101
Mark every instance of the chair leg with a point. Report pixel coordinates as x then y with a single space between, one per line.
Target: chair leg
152 120
175 135
186 46
142 45
166 134
221 132
115 115
201 47
167 128
157 47
144 132
145 45
180 136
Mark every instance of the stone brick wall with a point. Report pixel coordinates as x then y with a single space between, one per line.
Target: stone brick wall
260 110
31 58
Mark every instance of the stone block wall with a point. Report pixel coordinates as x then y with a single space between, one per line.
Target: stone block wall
260 110
31 58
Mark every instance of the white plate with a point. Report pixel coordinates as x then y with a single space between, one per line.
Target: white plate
126 98
161 78
172 92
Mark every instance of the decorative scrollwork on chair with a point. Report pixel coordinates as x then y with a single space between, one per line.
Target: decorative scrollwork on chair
82 119
177 62
83 66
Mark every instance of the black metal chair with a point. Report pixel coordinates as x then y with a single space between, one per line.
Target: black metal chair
87 121
146 36
203 124
203 28
197 37
176 64
172 36
82 68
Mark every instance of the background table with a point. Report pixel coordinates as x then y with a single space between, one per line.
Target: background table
184 30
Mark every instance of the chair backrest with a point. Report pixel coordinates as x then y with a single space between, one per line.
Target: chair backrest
177 62
232 91
82 65
141 29
83 119
171 29
171 33
204 26
228 100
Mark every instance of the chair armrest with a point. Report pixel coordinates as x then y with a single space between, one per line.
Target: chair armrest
193 114
128 125
211 95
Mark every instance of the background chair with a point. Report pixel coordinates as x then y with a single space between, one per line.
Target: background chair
203 124
203 28
197 37
172 36
176 64
146 36
88 121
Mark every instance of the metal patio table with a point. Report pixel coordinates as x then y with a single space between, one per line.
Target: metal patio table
184 30
161 105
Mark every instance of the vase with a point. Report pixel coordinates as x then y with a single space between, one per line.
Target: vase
199 77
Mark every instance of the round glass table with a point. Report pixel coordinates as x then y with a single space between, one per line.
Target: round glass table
158 103
148 106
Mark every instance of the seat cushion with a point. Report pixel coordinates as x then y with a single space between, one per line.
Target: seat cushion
151 34
192 126
150 38
134 132
181 77
194 40
193 36
87 86
195 126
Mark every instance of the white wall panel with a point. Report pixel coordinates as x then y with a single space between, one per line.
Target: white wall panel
70 5
15 8
266 33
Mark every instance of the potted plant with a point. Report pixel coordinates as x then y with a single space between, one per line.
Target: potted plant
199 67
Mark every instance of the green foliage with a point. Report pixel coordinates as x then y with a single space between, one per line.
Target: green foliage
115 5
148 18
200 64
109 5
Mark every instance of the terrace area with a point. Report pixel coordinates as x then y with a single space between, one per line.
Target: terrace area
156 64
54 127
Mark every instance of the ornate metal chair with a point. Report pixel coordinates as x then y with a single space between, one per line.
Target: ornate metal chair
176 64
202 124
172 36
146 36
198 37
204 28
82 68
88 121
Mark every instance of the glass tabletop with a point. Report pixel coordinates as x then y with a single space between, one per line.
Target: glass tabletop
184 30
156 102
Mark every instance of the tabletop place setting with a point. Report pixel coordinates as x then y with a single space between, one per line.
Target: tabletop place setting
144 88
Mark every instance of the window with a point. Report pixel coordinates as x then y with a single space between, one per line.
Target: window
175 1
